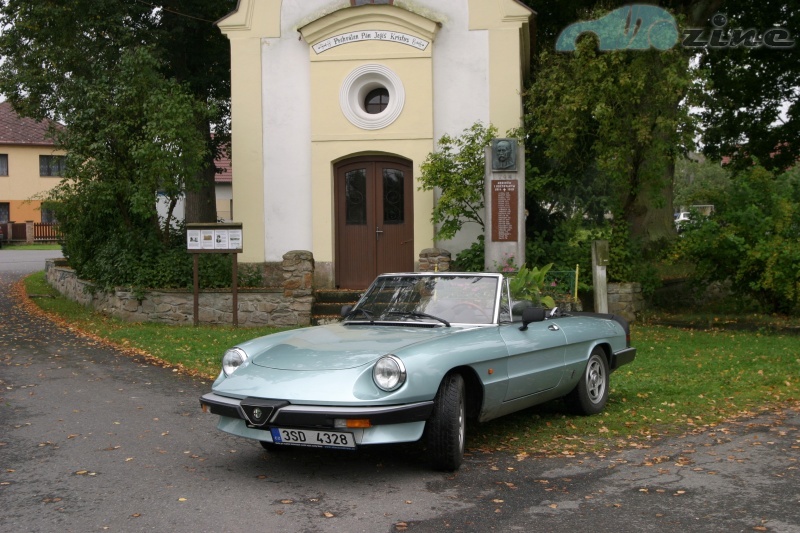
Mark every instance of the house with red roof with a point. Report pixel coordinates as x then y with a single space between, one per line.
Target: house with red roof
30 165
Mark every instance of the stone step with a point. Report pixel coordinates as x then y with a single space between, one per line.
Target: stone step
328 304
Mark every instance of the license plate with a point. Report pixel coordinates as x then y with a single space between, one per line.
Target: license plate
313 438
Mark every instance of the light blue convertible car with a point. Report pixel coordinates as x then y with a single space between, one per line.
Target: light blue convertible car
419 356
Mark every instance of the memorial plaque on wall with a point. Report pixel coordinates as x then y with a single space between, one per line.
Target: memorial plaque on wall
505 198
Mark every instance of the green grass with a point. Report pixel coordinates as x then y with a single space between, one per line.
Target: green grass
682 380
197 350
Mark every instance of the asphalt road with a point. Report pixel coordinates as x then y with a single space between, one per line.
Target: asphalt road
95 439
25 261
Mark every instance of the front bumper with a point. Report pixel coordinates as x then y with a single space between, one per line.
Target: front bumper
252 418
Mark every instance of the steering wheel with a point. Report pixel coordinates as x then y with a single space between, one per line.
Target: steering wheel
469 307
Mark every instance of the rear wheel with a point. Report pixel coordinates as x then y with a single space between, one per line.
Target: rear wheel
590 395
446 428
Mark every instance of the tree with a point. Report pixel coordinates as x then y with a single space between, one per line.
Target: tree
117 160
750 101
606 128
50 47
457 171
652 84
700 182
751 241
139 87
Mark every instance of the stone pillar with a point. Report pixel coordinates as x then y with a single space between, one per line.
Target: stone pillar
504 195
29 232
298 273
434 260
625 299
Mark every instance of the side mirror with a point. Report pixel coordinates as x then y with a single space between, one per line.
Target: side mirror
530 315
346 310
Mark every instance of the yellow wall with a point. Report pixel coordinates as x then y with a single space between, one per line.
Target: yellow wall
23 182
333 136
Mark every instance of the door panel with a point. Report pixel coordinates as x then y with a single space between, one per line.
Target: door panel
374 220
395 218
535 358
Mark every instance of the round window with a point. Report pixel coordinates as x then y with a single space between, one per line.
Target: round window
376 101
372 97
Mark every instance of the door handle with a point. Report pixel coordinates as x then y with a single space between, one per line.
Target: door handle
553 327
378 231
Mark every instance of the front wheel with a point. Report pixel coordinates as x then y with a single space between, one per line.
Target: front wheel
590 395
446 428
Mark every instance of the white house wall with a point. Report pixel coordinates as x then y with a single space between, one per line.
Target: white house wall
460 88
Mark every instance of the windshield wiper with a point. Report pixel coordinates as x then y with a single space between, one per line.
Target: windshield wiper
417 314
363 311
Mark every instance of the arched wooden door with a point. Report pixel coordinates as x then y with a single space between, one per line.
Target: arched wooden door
374 219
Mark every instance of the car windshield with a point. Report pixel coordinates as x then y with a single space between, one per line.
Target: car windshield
440 299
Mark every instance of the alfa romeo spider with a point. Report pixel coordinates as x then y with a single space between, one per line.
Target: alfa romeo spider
420 356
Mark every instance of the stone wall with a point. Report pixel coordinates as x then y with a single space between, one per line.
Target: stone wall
434 260
286 305
625 299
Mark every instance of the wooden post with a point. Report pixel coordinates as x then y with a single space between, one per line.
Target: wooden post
599 261
196 307
235 286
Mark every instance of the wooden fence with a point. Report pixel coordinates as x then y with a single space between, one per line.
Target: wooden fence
29 232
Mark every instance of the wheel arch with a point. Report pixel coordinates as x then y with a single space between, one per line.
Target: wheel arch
473 390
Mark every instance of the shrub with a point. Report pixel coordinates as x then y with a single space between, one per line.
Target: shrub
751 240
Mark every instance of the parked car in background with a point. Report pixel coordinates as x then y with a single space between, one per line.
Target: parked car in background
420 356
681 219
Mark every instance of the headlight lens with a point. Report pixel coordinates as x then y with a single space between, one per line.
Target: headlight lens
233 359
389 373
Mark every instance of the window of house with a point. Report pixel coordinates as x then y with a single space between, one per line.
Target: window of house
3 164
48 216
52 165
5 212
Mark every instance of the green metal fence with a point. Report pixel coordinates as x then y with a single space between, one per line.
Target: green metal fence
562 284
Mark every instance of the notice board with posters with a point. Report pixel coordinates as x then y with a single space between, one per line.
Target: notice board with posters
221 238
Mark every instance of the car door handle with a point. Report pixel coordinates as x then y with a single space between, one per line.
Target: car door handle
553 327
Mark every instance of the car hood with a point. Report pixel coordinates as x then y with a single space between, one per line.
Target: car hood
336 346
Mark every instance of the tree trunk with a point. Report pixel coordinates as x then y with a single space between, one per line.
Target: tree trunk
652 219
201 203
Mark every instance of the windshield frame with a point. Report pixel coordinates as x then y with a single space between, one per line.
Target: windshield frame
385 317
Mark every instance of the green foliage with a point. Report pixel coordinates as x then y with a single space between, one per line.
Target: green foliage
472 259
751 240
748 102
604 129
457 171
138 88
133 137
529 284
699 183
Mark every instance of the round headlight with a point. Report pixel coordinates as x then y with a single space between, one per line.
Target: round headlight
389 373
233 359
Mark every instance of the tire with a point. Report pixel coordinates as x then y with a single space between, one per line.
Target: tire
446 429
590 395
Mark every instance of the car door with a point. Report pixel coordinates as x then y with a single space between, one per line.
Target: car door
535 357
